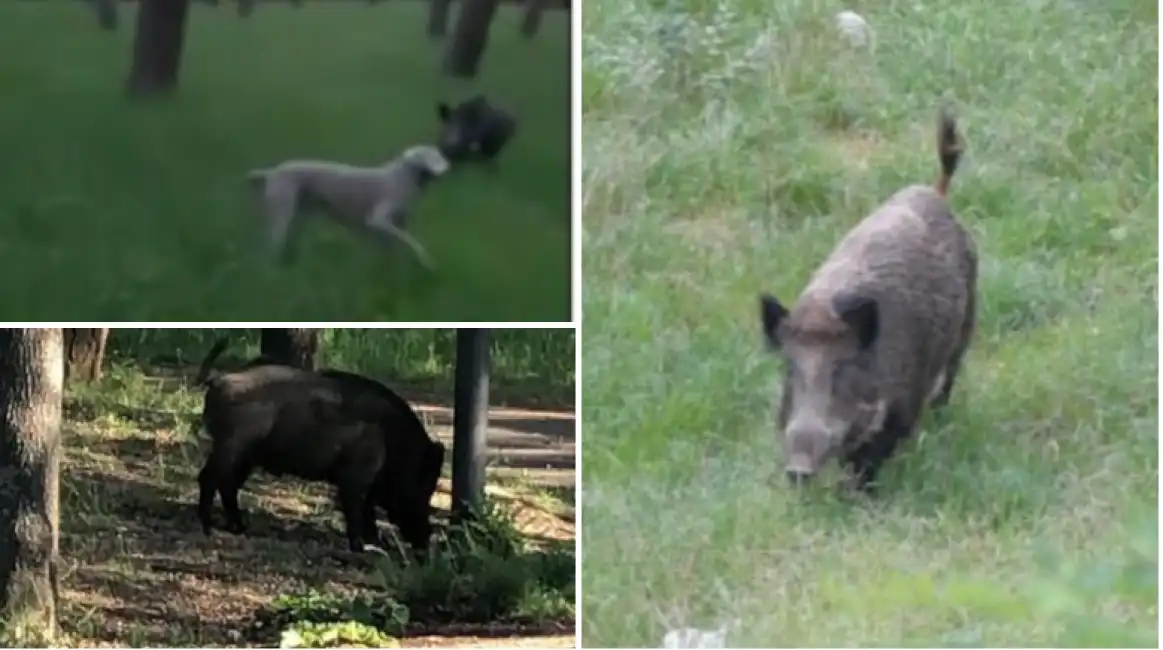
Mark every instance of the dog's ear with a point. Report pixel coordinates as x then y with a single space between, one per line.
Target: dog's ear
443 111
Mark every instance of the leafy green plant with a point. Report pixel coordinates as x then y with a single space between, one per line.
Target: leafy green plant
309 613
483 571
348 634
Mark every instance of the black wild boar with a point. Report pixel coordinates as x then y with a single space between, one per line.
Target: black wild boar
324 428
413 485
880 330
473 126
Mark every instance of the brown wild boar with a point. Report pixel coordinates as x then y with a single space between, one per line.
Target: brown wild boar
879 331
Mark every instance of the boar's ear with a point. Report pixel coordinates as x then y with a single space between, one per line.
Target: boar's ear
862 314
443 111
771 314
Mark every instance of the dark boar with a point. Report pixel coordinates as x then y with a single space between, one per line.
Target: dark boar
473 126
291 421
412 485
880 330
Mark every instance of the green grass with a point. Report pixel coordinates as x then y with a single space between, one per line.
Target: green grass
119 212
528 367
727 163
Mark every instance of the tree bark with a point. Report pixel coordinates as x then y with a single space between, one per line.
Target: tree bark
531 23
292 346
31 379
157 47
471 37
470 421
438 11
106 14
84 353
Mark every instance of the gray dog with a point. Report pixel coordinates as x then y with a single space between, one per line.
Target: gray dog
373 199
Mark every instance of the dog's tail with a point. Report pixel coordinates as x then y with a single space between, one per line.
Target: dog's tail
950 146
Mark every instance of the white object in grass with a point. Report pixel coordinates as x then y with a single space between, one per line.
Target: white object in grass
689 637
853 26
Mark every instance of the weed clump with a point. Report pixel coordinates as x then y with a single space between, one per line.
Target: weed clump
484 571
314 619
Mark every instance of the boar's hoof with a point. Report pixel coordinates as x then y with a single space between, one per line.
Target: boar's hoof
235 527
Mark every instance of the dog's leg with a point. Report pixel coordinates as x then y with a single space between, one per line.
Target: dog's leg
383 221
281 200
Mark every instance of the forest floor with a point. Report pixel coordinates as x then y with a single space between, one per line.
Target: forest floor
140 572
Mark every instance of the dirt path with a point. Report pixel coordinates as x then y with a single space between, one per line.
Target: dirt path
528 452
139 571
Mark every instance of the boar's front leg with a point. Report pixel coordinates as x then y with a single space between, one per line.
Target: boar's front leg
865 460
352 499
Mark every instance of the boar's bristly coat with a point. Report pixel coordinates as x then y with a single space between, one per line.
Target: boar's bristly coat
347 430
880 330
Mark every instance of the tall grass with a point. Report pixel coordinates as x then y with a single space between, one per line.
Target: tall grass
728 145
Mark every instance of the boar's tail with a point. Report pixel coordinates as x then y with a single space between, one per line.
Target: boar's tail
207 368
949 148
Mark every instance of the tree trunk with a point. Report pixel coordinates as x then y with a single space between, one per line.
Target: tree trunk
470 421
245 8
438 11
292 346
531 23
157 47
471 38
31 378
84 353
106 14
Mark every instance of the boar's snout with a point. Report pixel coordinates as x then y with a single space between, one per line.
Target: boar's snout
808 446
797 477
800 469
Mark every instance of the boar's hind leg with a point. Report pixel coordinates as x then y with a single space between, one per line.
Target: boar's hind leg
941 399
941 396
967 328
865 461
228 490
207 488
222 473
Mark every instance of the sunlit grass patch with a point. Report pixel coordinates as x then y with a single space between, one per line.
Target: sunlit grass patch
728 145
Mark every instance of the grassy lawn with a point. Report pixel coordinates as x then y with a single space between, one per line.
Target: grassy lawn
727 161
116 212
